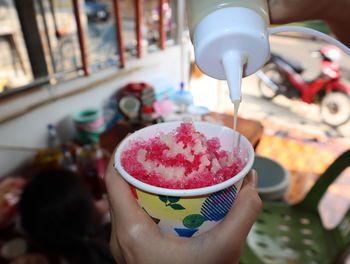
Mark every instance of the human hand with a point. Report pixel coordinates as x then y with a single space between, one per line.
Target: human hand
135 238
288 11
334 13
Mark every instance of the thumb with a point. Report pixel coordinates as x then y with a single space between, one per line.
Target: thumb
244 212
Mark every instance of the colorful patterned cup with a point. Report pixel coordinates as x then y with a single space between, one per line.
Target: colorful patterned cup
189 212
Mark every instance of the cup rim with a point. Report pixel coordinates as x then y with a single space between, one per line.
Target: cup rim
183 192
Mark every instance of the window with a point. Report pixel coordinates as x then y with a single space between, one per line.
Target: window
151 24
102 34
54 40
58 33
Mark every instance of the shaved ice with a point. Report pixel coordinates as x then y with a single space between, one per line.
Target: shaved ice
181 159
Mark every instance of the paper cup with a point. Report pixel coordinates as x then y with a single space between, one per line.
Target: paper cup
188 212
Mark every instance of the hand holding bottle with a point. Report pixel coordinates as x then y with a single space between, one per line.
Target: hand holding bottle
334 13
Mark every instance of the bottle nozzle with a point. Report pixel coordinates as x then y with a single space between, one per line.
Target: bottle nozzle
233 63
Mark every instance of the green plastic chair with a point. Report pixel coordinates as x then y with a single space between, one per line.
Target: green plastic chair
286 234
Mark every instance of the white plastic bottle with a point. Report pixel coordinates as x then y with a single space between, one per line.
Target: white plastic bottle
53 140
230 39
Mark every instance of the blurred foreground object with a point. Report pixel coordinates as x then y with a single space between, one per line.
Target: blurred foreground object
10 190
135 102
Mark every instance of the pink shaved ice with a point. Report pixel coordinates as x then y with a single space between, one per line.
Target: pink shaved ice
181 159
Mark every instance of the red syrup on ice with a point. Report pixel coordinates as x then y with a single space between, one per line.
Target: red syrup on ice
181 159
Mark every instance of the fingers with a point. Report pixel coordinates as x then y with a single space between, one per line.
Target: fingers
230 234
235 227
252 178
245 209
129 221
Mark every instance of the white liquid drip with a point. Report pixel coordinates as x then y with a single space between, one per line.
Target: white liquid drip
236 137
233 64
236 107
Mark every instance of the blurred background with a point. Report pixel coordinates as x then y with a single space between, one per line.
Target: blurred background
76 76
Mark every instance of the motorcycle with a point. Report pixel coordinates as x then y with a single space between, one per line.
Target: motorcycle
281 75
